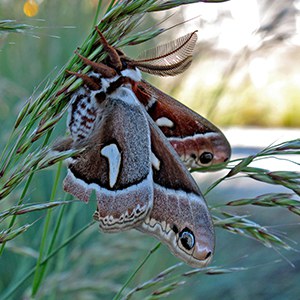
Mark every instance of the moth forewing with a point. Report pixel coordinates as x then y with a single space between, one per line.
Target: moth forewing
179 217
116 164
197 141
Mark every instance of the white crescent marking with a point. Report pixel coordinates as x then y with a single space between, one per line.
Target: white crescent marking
112 153
155 161
151 102
164 122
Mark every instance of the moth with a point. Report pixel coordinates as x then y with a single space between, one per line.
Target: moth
197 141
124 124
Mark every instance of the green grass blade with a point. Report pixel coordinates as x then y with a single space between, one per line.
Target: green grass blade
8 294
155 248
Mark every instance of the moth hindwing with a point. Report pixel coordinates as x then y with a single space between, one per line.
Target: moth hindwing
197 141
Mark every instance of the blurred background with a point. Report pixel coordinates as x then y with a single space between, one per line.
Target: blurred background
244 78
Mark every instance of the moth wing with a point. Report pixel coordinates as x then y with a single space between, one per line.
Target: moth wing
180 216
115 164
196 140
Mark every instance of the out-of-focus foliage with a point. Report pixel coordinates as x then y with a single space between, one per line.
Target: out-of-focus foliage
83 264
245 71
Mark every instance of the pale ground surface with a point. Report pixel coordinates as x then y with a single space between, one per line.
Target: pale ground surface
247 141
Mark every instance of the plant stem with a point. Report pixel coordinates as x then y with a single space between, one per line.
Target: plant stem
118 295
40 271
45 260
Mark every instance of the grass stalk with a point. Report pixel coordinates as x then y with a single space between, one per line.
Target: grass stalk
45 260
40 270
130 278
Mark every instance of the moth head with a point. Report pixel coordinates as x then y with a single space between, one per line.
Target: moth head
132 73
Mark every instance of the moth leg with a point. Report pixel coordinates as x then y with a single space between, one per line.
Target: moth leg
90 82
99 67
63 144
102 68
111 51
